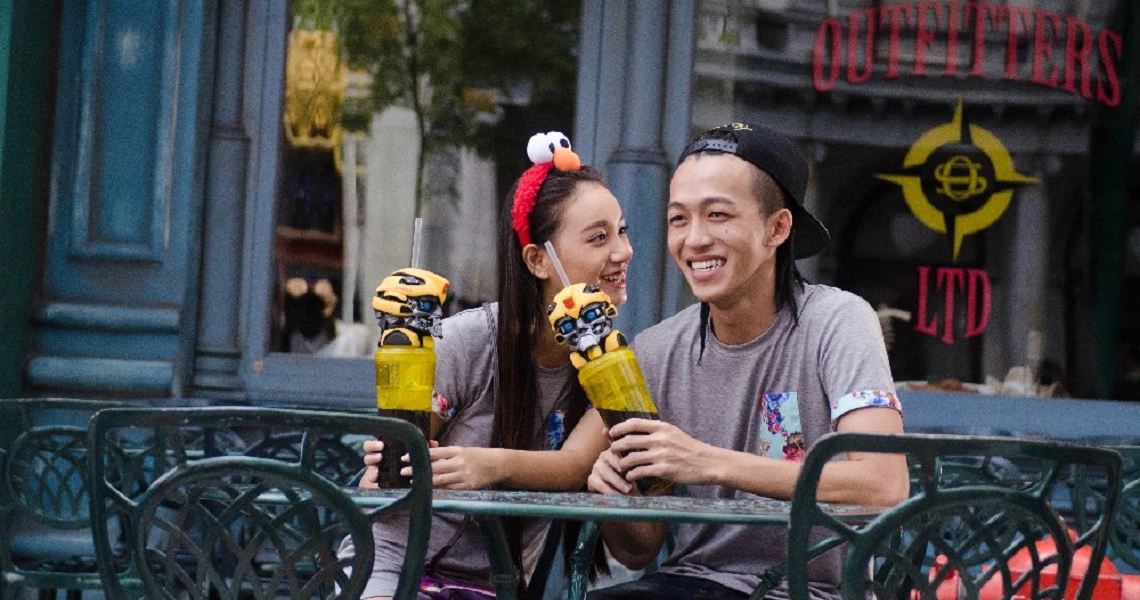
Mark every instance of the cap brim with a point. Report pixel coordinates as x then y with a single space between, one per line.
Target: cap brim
809 236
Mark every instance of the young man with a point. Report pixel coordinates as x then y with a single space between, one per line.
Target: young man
751 377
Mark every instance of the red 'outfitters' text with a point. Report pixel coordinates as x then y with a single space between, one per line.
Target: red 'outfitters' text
1064 50
953 280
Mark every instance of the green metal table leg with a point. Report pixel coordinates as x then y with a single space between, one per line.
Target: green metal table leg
580 560
504 575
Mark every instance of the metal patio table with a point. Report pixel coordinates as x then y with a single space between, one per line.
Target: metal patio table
486 507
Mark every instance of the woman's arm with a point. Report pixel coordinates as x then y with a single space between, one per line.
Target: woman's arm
468 468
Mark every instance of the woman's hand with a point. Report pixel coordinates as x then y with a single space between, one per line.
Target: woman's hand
464 468
373 454
606 476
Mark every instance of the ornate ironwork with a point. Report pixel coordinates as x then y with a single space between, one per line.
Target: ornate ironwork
202 515
333 457
1088 497
45 497
47 472
968 533
205 533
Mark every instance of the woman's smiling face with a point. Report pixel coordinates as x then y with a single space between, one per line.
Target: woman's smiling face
592 243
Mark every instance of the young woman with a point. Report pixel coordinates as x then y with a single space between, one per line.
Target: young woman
508 409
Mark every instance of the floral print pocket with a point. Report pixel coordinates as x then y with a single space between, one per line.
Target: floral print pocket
782 437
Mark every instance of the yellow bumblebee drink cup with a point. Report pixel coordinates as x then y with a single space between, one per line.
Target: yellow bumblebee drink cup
615 386
404 382
582 317
409 307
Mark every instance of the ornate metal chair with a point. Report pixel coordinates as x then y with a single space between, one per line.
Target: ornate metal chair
203 526
974 528
1088 493
45 532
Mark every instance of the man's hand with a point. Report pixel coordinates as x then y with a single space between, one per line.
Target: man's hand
606 477
633 544
463 468
656 448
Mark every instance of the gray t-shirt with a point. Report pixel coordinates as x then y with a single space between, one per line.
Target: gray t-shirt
773 396
466 368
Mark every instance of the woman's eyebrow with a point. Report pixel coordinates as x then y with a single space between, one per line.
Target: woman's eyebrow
594 225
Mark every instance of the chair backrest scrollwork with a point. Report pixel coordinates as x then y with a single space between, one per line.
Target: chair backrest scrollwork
45 540
972 535
1088 499
207 510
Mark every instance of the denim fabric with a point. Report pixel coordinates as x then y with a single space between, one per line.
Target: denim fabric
660 586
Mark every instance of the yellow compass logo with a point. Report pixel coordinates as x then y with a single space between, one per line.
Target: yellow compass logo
958 179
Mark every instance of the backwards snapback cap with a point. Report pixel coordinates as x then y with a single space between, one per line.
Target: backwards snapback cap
777 156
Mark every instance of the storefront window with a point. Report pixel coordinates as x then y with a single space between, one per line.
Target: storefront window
395 110
952 148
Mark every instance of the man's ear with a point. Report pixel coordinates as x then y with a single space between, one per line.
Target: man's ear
779 227
536 261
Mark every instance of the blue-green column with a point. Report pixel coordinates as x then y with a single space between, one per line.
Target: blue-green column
1112 141
26 34
639 170
634 89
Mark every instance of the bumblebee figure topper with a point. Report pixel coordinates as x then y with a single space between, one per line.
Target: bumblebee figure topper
409 307
582 317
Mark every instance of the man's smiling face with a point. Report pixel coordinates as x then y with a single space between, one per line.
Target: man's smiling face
718 232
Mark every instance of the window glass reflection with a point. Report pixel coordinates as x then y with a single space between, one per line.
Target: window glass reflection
954 150
395 109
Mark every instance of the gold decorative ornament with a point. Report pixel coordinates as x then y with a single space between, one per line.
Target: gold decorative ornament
314 90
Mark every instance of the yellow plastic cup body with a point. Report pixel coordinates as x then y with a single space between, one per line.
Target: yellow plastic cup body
405 378
614 384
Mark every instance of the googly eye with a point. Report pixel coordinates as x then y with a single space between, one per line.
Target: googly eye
539 149
556 140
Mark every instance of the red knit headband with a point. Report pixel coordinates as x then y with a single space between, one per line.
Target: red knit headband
525 196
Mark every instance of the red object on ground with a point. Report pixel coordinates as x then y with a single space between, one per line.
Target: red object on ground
1111 585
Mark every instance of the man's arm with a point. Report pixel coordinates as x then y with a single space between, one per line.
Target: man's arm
633 544
666 451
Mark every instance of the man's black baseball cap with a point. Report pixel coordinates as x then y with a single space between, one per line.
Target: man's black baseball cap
777 156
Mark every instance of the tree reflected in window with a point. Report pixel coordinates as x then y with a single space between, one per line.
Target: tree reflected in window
397 109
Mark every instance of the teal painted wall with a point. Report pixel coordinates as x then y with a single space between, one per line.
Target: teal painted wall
27 34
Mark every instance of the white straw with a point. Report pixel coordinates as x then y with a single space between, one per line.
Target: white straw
417 237
557 264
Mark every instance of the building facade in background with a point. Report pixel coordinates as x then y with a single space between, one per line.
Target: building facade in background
223 182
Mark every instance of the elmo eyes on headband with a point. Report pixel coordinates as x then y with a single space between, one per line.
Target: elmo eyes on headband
547 151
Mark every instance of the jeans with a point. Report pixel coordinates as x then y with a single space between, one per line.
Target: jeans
660 586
